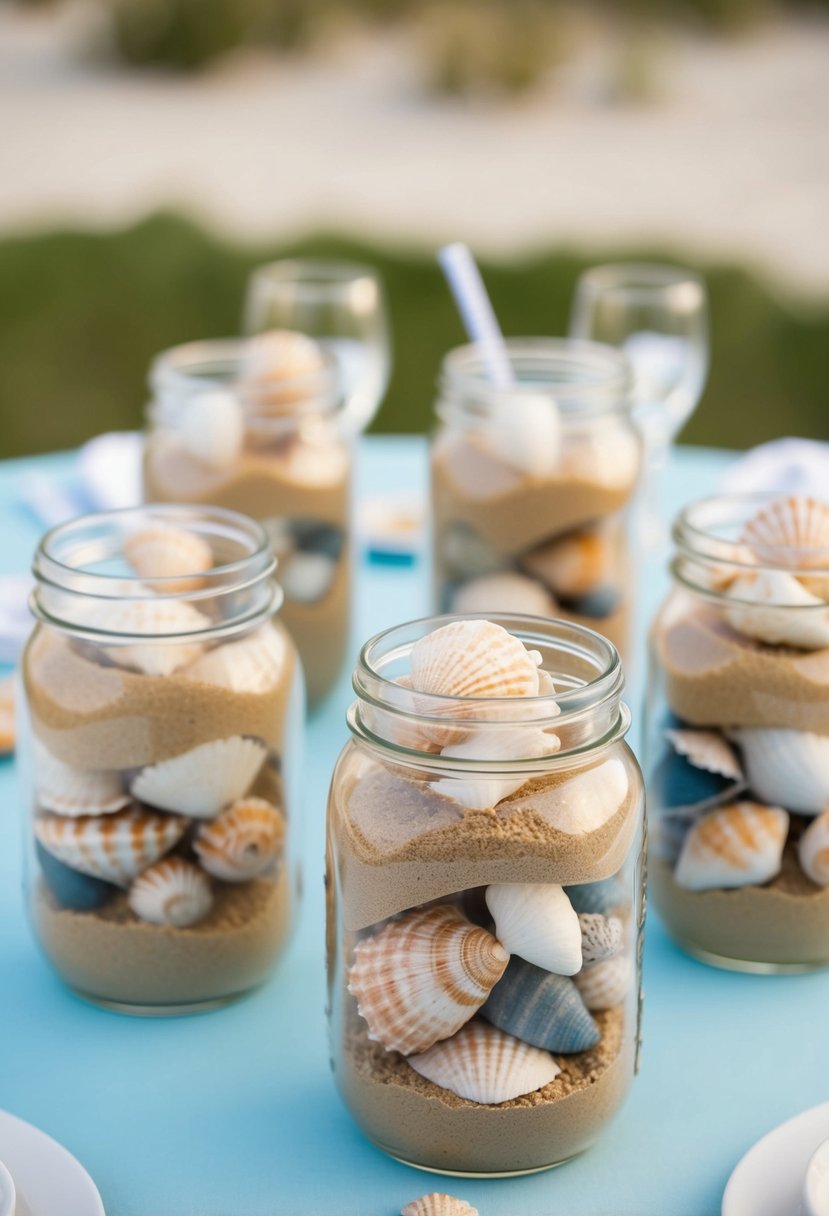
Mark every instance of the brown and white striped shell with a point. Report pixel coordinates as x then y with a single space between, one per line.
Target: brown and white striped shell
473 659
792 532
115 848
737 845
242 841
438 1204
485 1065
162 551
172 892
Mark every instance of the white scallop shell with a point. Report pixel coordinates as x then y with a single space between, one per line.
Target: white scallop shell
478 792
72 791
199 783
775 607
735 846
114 847
537 922
603 985
813 850
584 802
602 937
423 976
172 892
787 768
482 1064
473 659
211 428
791 532
707 750
161 622
572 565
242 841
438 1205
504 592
525 430
162 551
254 664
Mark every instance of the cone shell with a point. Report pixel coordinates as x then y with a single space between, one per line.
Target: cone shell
438 1205
707 750
173 892
601 936
254 664
422 977
173 554
504 592
786 767
152 619
813 850
516 743
791 532
603 985
541 1009
7 723
473 659
115 848
537 922
72 791
775 608
735 846
574 565
199 783
242 841
482 1064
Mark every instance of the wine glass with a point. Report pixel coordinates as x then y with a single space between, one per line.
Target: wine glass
659 316
342 306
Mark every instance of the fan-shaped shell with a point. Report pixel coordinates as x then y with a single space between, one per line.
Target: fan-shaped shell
479 792
212 428
603 985
473 659
482 1064
242 841
162 551
573 565
735 846
537 922
173 892
254 664
114 847
541 1009
601 936
708 750
774 607
505 591
787 768
438 1204
813 850
792 532
199 783
162 623
422 977
72 791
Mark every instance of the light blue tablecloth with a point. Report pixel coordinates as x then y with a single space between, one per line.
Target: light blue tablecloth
234 1113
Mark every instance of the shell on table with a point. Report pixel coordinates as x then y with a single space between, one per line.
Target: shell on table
606 984
115 848
212 428
482 1064
438 1204
504 591
162 551
792 532
241 842
473 659
541 1009
601 936
813 850
254 664
73 791
537 922
161 624
774 607
203 781
491 744
708 750
735 846
172 892
423 976
574 565
787 768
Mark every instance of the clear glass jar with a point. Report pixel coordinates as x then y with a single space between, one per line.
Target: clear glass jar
160 741
738 736
437 830
236 425
531 485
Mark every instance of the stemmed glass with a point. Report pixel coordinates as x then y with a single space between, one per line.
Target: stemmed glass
342 306
659 316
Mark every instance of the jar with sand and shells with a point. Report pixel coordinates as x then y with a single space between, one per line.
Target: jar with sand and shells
531 485
738 734
257 426
485 894
159 744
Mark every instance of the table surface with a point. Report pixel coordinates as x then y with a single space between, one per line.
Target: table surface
234 1113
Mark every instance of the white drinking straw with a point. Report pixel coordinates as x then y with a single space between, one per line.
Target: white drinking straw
467 286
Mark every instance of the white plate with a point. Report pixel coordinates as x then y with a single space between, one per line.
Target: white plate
769 1179
48 1178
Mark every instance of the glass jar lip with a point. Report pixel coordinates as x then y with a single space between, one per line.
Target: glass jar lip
644 275
695 536
311 276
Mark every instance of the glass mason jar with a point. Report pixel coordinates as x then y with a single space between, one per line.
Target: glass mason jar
160 740
255 426
466 884
531 485
738 735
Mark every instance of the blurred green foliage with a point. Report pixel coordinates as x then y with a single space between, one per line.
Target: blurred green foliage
81 316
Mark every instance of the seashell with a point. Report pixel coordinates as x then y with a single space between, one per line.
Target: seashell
438 1205
8 734
601 936
813 850
252 665
544 1010
306 577
172 892
524 429
585 801
422 977
504 592
242 841
605 456
787 768
280 368
473 659
686 780
212 428
602 896
738 845
482 1064
161 622
115 848
774 607
173 554
572 566
72 791
792 532
199 783
70 888
603 985
537 922
480 792
708 750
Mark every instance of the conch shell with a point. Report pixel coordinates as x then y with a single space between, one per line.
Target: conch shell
173 892
242 841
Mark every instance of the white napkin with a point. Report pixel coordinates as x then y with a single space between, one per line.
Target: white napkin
792 466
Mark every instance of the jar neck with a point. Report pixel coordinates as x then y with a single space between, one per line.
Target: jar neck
85 582
585 711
